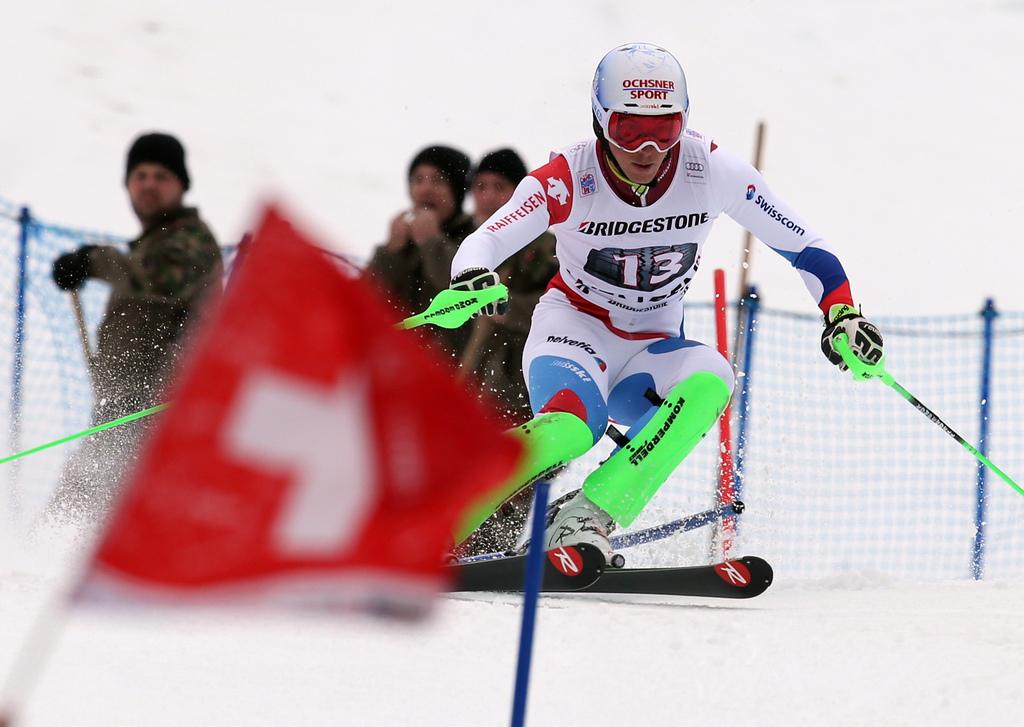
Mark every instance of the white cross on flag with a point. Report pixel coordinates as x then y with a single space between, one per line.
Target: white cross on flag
313 454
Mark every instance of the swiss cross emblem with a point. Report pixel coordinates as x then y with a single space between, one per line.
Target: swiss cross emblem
318 517
558 190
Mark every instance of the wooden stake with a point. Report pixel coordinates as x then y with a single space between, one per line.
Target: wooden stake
83 333
748 244
747 237
471 353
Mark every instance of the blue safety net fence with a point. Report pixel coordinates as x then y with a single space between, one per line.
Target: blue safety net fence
846 476
838 476
843 475
50 388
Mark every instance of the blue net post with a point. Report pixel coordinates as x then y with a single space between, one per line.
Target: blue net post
751 304
988 314
18 348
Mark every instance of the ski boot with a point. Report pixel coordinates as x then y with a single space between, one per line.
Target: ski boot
577 521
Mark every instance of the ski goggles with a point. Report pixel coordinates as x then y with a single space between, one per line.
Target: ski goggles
633 132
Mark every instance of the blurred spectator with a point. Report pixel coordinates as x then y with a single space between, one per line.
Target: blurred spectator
414 264
154 290
495 351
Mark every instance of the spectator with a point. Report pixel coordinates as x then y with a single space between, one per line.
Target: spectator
154 290
414 264
495 351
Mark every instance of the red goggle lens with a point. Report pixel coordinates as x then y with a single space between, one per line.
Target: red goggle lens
632 131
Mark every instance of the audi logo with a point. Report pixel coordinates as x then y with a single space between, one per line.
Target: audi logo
694 167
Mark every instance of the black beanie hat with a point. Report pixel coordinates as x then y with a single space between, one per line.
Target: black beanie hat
453 165
504 162
161 149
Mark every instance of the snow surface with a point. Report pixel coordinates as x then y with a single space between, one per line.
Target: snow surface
892 126
862 650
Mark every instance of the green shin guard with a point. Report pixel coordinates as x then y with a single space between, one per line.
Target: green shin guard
627 481
551 440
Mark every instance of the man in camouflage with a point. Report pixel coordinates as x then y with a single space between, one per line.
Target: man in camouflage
410 267
155 289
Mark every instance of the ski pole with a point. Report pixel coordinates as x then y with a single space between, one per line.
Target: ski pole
683 524
449 309
863 371
86 432
452 308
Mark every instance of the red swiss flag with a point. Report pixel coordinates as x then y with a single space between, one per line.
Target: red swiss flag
313 454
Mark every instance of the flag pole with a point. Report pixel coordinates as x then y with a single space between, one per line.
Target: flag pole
531 594
45 632
32 657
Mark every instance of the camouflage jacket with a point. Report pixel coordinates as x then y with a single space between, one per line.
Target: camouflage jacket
411 277
155 289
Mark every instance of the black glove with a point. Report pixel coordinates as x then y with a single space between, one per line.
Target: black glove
71 269
865 340
478 279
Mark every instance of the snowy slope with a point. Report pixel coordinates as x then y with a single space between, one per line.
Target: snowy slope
865 650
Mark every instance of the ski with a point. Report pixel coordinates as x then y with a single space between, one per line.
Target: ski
569 568
744 577
642 537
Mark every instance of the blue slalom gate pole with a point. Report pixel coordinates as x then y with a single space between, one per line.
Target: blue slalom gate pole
750 325
531 594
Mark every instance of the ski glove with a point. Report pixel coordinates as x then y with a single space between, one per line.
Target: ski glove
865 340
478 279
71 269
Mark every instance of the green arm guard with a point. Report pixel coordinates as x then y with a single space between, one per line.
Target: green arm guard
627 481
452 308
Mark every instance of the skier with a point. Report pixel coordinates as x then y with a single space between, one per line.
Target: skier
630 211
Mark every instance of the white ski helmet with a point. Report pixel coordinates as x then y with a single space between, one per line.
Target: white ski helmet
640 79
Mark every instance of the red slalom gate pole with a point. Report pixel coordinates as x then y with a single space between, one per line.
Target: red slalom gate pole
726 470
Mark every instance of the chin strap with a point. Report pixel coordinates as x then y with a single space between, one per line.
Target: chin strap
640 190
